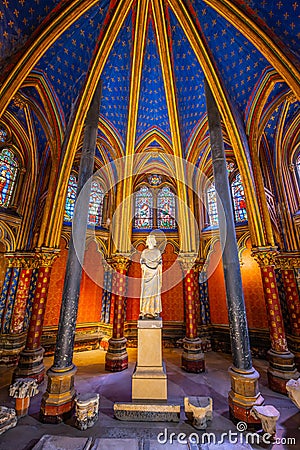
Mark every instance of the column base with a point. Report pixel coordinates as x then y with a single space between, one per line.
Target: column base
116 358
59 398
192 358
31 365
281 369
244 395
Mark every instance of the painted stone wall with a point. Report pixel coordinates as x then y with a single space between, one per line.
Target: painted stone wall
89 309
252 287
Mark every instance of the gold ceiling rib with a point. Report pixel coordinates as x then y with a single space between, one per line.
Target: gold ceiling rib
124 243
54 223
188 240
187 24
259 38
43 41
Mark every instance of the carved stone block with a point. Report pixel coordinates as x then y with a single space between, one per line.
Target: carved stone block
268 415
86 410
293 390
8 418
198 410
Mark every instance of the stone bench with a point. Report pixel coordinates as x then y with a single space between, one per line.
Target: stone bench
198 410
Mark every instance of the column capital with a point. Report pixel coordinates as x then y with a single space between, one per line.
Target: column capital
187 261
45 256
288 261
24 260
120 262
265 256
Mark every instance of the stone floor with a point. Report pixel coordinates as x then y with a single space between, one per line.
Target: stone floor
111 434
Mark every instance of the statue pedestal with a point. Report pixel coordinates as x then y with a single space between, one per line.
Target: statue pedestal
149 380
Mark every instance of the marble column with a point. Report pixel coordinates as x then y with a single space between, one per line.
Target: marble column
244 392
58 400
116 357
30 363
281 361
192 359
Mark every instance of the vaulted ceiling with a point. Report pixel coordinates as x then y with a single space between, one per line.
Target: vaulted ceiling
152 57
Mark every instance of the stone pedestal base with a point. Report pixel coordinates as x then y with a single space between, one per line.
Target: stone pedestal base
192 359
282 368
58 400
116 358
244 395
149 381
31 365
22 405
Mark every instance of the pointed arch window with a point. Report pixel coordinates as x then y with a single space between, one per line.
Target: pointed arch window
212 206
95 205
238 197
143 218
70 200
8 172
238 200
166 208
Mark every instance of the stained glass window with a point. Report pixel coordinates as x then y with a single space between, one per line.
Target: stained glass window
3 134
298 165
166 208
238 197
143 208
96 204
8 173
70 200
212 205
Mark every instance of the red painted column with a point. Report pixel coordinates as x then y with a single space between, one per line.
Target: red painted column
116 356
282 365
192 359
287 265
31 358
18 315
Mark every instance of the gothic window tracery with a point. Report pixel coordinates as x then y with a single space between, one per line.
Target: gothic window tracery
238 200
8 172
238 197
95 205
143 208
154 208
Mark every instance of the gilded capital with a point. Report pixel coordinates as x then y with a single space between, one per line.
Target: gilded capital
265 256
120 262
45 257
288 262
21 260
187 260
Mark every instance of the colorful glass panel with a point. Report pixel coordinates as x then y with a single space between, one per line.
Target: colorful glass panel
238 197
166 208
70 200
8 173
3 134
143 208
212 206
96 204
155 180
298 166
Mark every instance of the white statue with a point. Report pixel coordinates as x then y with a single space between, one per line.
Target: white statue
151 264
